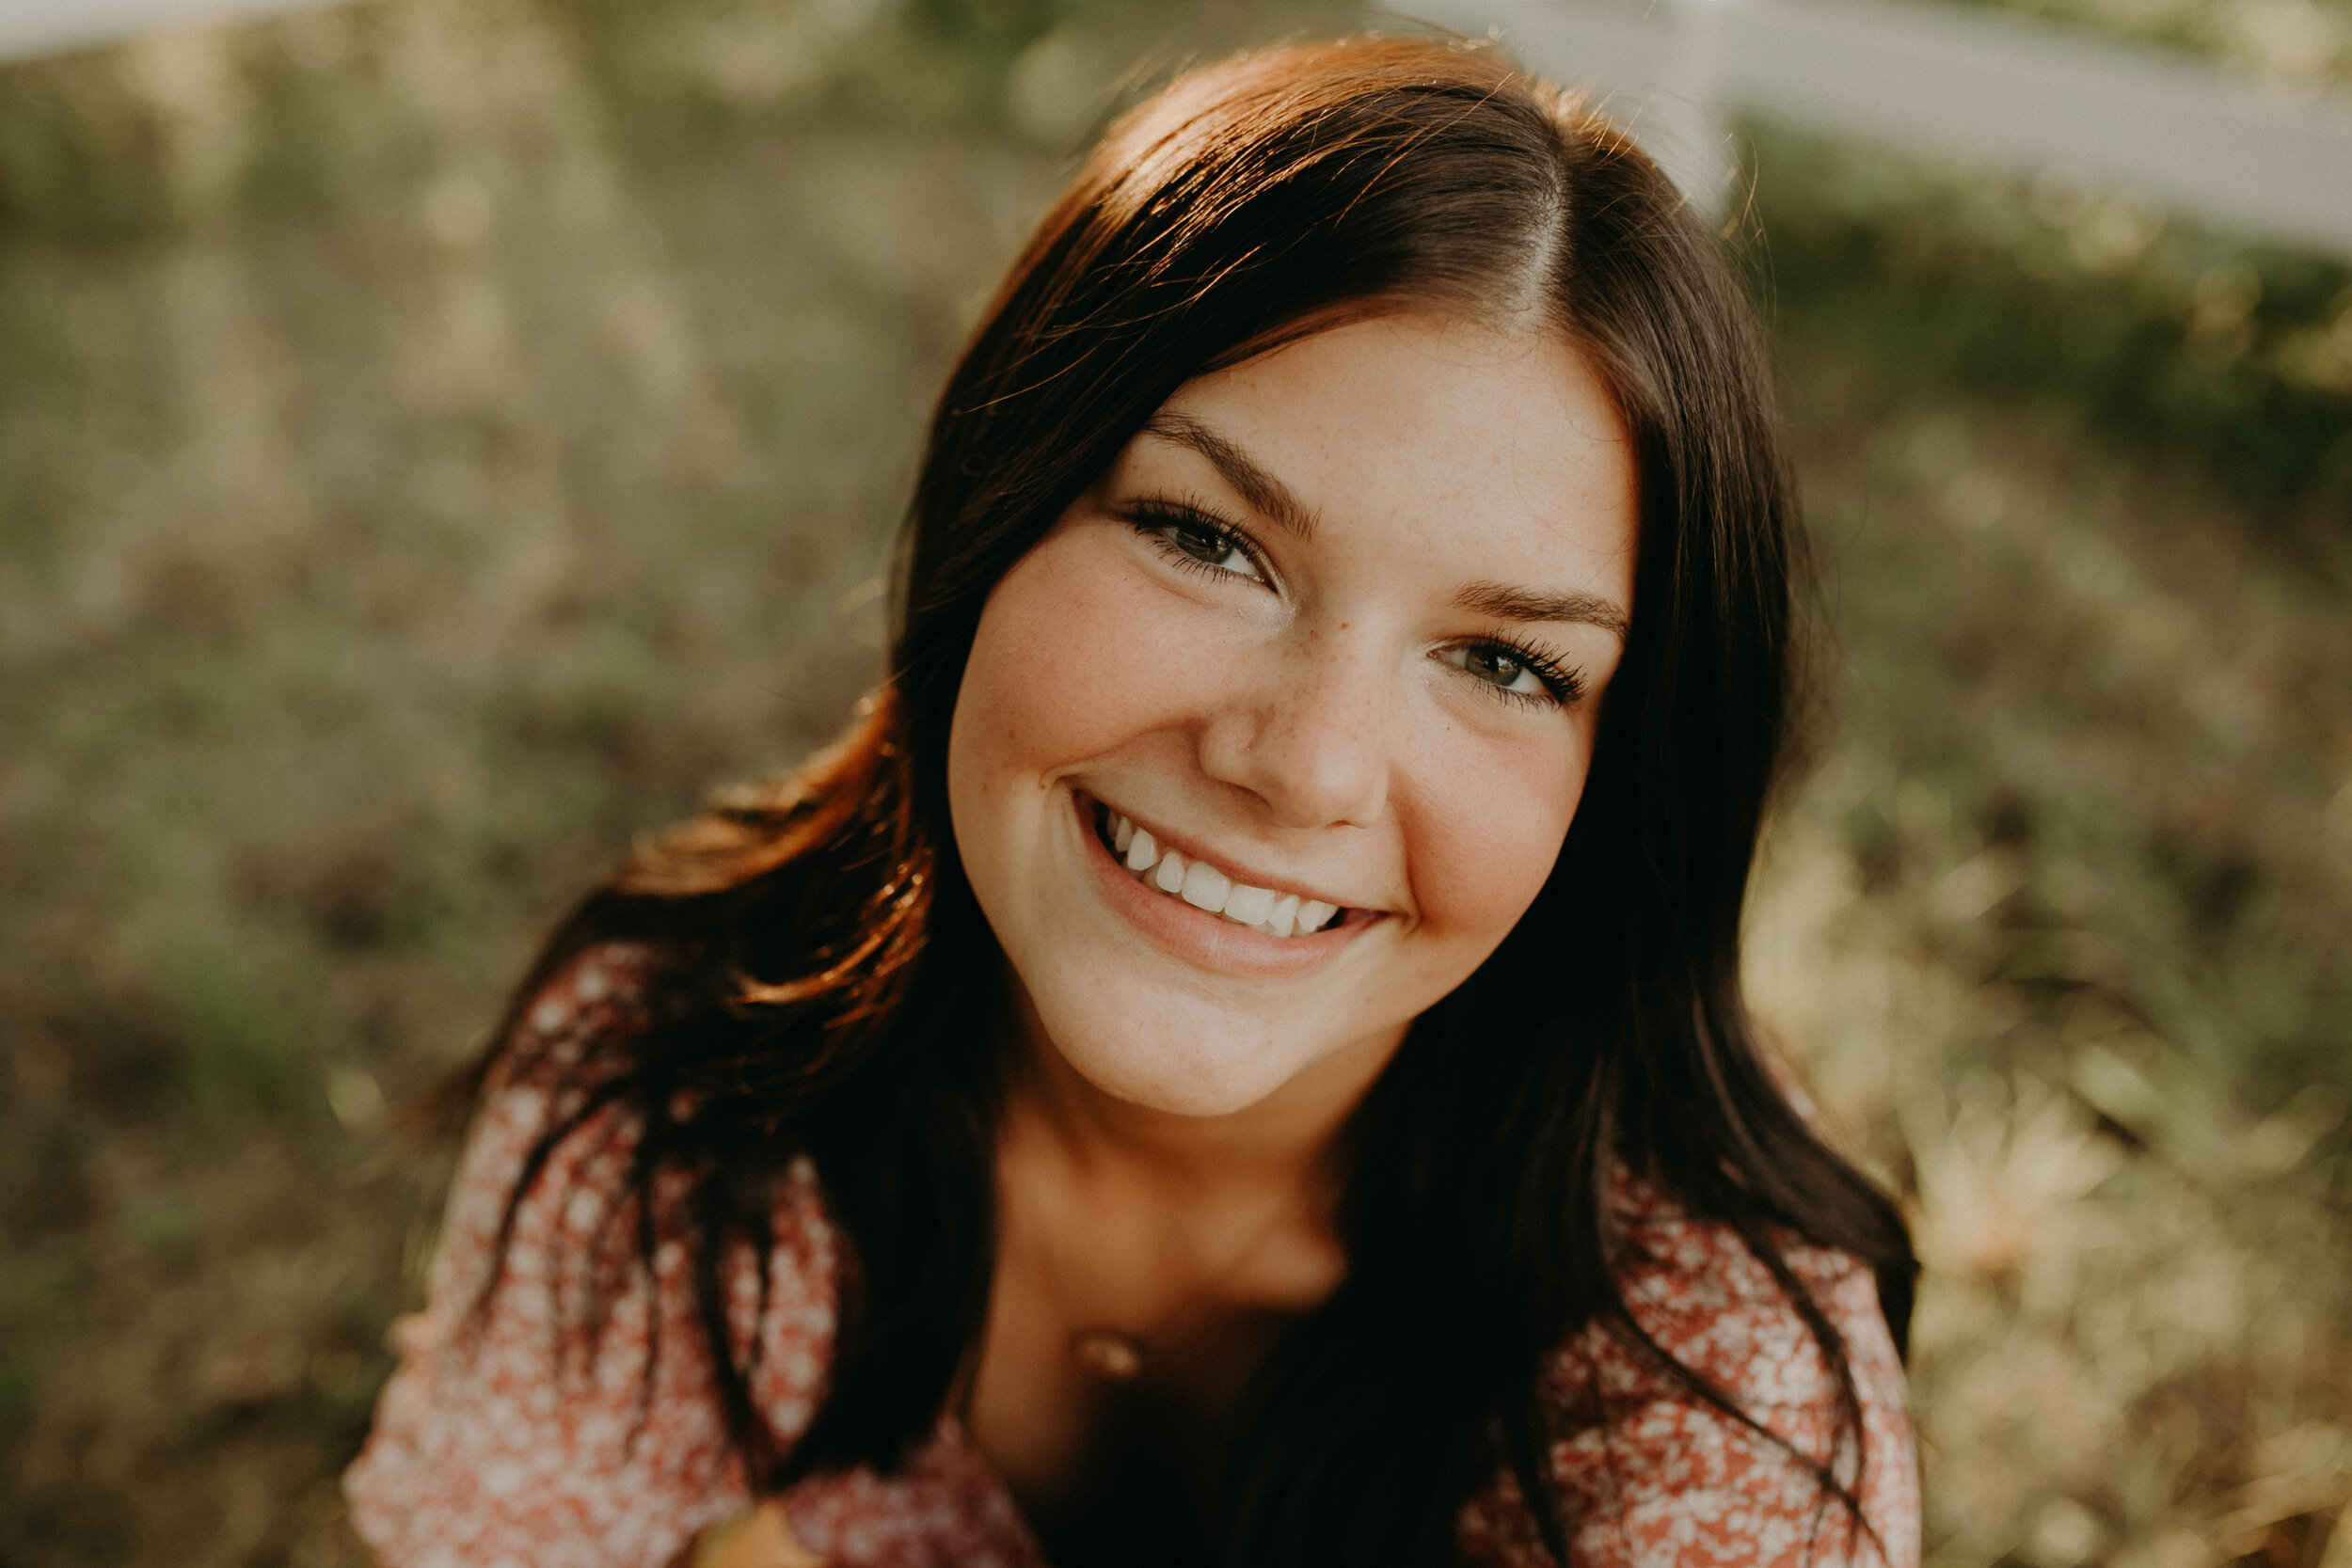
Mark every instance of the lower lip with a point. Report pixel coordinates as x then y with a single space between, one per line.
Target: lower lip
1195 935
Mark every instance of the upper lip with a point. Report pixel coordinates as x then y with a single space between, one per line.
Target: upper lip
1231 867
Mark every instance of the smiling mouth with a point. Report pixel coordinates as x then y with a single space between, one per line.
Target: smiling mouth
1205 887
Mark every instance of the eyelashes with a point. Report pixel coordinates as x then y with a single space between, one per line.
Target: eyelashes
1195 539
1562 682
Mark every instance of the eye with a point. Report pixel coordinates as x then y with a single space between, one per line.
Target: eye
1196 541
1522 674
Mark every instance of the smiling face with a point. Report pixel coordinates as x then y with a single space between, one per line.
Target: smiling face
1333 630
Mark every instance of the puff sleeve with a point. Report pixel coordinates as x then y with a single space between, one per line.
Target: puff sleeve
548 1425
1653 1476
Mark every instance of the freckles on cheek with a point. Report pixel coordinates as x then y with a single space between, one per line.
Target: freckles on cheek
1067 660
1491 834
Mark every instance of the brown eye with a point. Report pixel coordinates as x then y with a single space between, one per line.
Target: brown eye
1495 666
1204 544
1507 672
1195 543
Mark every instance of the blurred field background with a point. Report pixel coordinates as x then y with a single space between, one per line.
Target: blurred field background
441 438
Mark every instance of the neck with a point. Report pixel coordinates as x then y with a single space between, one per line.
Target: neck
1289 1139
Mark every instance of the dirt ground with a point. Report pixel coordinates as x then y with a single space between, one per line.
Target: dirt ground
442 439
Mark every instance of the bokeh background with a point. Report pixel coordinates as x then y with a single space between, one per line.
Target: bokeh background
440 440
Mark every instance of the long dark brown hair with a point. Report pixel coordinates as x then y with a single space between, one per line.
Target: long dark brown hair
818 959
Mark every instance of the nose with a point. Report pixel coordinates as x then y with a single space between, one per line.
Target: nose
1312 737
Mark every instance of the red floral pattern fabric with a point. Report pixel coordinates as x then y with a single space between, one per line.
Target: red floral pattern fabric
526 1434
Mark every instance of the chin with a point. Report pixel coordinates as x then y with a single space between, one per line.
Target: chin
1169 1069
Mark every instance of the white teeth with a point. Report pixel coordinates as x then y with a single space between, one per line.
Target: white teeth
1246 904
1285 912
1205 887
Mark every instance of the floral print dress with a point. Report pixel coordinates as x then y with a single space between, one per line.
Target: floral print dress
512 1437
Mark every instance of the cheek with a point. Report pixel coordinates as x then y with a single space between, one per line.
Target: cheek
1489 836
1064 667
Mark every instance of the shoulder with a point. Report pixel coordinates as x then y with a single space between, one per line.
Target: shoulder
599 994
1706 1299
544 1076
555 1405
1653 1472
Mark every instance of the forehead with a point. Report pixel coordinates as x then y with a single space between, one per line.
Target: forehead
1441 433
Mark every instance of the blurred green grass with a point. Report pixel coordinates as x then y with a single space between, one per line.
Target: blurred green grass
440 439
2159 337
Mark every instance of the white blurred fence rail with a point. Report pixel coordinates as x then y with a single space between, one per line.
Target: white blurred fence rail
29 27
1991 89
1980 86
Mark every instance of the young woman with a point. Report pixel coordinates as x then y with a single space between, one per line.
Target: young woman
1238 1055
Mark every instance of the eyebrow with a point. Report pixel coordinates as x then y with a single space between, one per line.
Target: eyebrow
1506 603
1266 494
